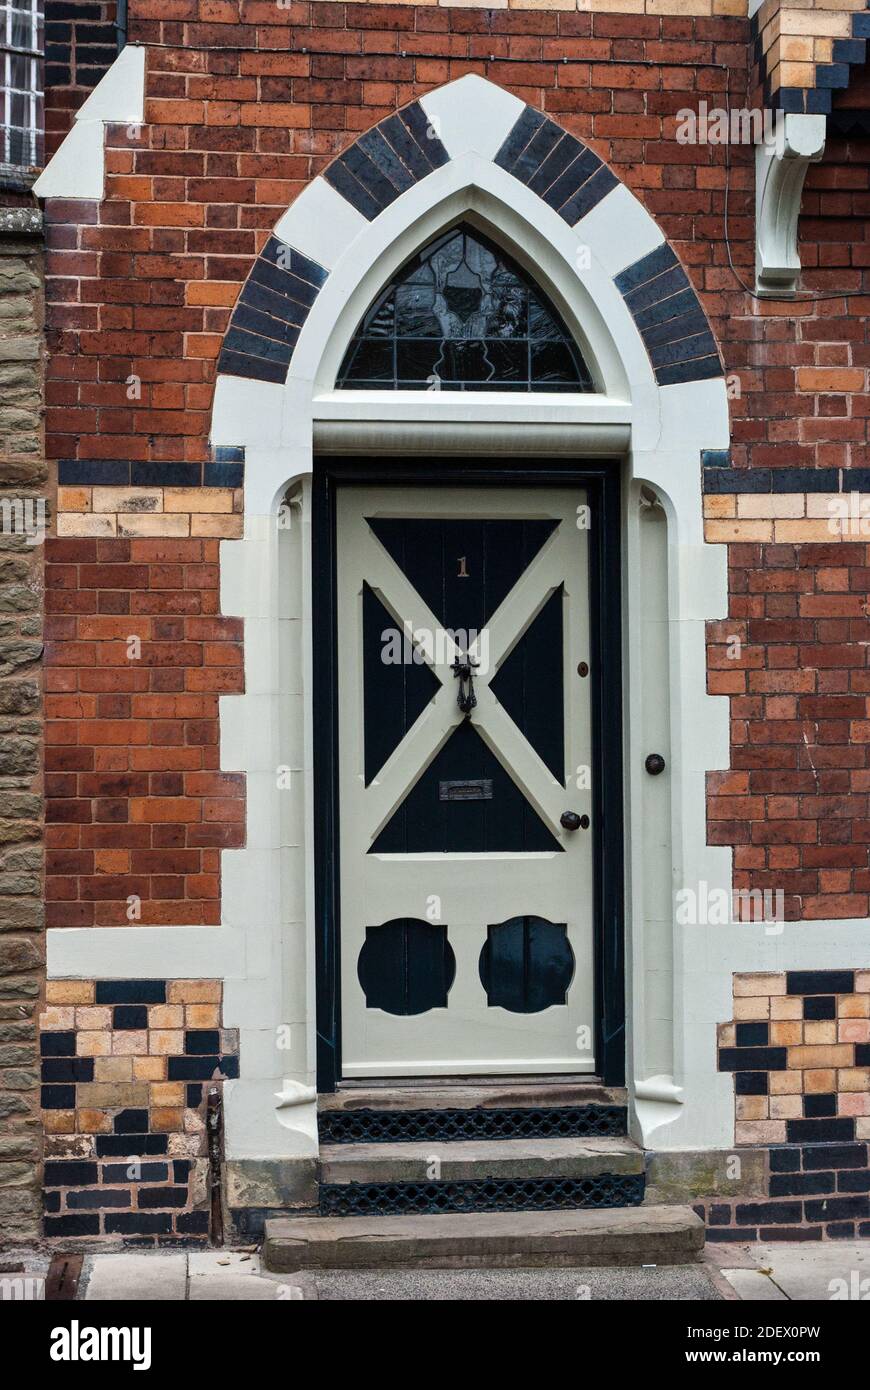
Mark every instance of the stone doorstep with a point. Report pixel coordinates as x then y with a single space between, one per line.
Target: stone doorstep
502 1095
515 1240
470 1159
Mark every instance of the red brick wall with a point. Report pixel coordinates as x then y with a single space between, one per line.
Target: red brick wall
240 115
136 804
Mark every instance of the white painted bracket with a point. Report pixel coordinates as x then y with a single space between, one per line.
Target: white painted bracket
78 168
780 170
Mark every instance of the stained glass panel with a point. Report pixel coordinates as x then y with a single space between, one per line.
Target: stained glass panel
462 316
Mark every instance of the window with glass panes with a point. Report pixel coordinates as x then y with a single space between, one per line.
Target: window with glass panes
21 48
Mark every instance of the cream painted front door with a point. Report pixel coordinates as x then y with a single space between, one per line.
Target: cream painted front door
464 739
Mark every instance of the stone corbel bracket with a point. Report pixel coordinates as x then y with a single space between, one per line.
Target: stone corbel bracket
780 170
78 168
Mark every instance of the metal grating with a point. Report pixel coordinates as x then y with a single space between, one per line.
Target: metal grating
480 1194
392 1126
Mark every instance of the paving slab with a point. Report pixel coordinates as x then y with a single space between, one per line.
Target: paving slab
155 1276
584 1284
805 1271
753 1285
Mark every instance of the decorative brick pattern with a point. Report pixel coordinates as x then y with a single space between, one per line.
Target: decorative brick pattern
799 1049
136 659
805 52
80 46
126 1065
273 306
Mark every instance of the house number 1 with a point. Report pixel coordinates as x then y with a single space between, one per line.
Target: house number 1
463 572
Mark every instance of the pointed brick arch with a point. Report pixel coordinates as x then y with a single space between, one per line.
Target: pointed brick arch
404 149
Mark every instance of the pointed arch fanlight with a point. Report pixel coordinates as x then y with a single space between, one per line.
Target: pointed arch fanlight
462 316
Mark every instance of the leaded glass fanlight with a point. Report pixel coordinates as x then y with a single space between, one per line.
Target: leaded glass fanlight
462 316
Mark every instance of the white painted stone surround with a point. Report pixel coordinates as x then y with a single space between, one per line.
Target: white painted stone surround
264 950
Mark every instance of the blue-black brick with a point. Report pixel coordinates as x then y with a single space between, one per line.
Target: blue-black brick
820 982
853 1180
838 1209
820 1006
817 1107
69 1173
95 1197
147 1172
58 1044
783 1213
192 1223
93 472
194 1096
835 1156
752 1034
130 1016
68 1069
862 1054
201 1068
58 1097
130 1145
147 473
51 1201
785 1160
750 1083
833 1131
181 1169
202 1041
163 1197
752 1059
223 474
72 1225
138 1223
131 992
131 1122
801 1184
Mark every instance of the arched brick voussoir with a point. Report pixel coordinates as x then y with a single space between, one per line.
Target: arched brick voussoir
470 115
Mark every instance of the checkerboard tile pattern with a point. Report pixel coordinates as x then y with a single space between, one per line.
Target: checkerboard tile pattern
126 1067
799 1049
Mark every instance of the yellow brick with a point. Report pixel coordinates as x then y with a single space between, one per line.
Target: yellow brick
85 524
854 1006
798 531
759 984
752 1008
786 1034
74 499
786 1107
796 50
838 26
165 1016
853 1079
760 1132
93 1122
149 1068
165 1042
862 1127
93 1044
862 981
113 1069
194 991
677 7
129 1042
836 1055
93 1019
796 74
825 506
225 528
751 1108
198 499
128 499
59 1121
723 532
167 1093
820 1031
69 992
53 1019
166 1121
720 505
771 504
204 1016
785 1083
161 525
786 1008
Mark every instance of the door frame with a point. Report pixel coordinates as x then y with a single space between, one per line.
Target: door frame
601 479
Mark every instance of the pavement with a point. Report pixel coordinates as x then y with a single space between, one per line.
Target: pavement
812 1271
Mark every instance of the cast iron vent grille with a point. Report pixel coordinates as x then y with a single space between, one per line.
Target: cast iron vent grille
391 1126
480 1194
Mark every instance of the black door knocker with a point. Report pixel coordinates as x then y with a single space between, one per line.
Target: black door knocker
463 668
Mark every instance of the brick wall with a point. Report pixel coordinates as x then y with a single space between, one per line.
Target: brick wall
126 1067
137 655
80 46
22 485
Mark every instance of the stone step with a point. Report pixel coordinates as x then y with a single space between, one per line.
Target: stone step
617 1236
446 1115
420 1094
469 1159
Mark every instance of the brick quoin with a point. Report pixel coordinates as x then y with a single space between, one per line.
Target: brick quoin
245 104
